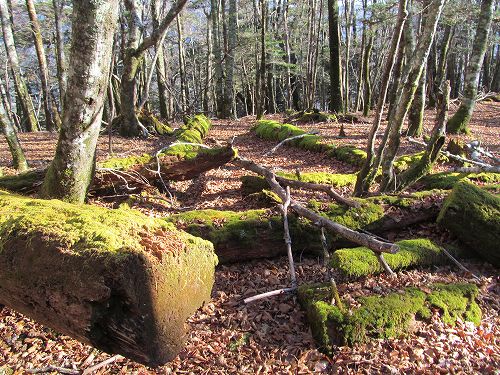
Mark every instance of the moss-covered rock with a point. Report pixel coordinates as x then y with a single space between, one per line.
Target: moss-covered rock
447 180
116 279
240 236
361 261
473 215
382 317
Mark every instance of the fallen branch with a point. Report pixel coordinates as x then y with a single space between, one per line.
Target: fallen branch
458 264
319 187
318 220
484 166
90 370
270 294
51 368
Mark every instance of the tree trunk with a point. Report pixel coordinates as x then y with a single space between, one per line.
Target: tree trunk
219 82
70 173
416 113
160 64
370 168
406 92
261 71
52 120
60 58
25 102
366 76
459 123
9 131
230 58
182 64
335 64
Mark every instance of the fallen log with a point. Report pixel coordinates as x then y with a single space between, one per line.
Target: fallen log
360 261
381 317
116 279
473 215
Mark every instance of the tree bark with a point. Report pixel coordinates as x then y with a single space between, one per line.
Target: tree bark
160 64
52 120
25 102
459 123
60 58
218 63
10 133
71 172
335 64
230 59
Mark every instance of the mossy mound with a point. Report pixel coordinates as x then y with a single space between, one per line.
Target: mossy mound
349 154
240 236
273 130
25 182
153 124
116 279
473 215
361 261
311 116
447 180
255 184
382 317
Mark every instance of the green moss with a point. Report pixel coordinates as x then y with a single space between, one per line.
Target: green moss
349 154
22 181
83 228
407 201
153 124
254 184
238 235
361 261
384 316
404 162
126 162
446 180
473 215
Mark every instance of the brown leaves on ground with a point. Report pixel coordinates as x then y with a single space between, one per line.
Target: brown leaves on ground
271 336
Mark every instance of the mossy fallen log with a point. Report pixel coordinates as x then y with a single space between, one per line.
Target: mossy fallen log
381 317
447 180
255 184
360 261
243 236
473 215
182 161
349 154
116 279
311 116
147 119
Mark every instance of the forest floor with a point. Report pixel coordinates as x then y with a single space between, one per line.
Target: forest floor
272 336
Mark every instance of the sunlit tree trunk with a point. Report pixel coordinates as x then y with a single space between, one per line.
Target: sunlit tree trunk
160 64
219 80
459 123
71 172
10 133
60 56
25 102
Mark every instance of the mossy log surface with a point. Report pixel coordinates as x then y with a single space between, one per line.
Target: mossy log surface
447 180
381 317
274 130
116 279
473 215
254 234
361 261
152 124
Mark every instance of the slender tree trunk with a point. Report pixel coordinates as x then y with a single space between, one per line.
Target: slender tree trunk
60 57
230 58
160 64
25 102
71 172
406 93
335 64
367 174
416 113
219 81
443 59
261 72
10 133
347 14
182 63
459 123
208 68
366 76
52 120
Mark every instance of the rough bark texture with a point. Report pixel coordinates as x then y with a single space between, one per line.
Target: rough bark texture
70 173
230 59
473 215
61 59
25 102
119 280
459 123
